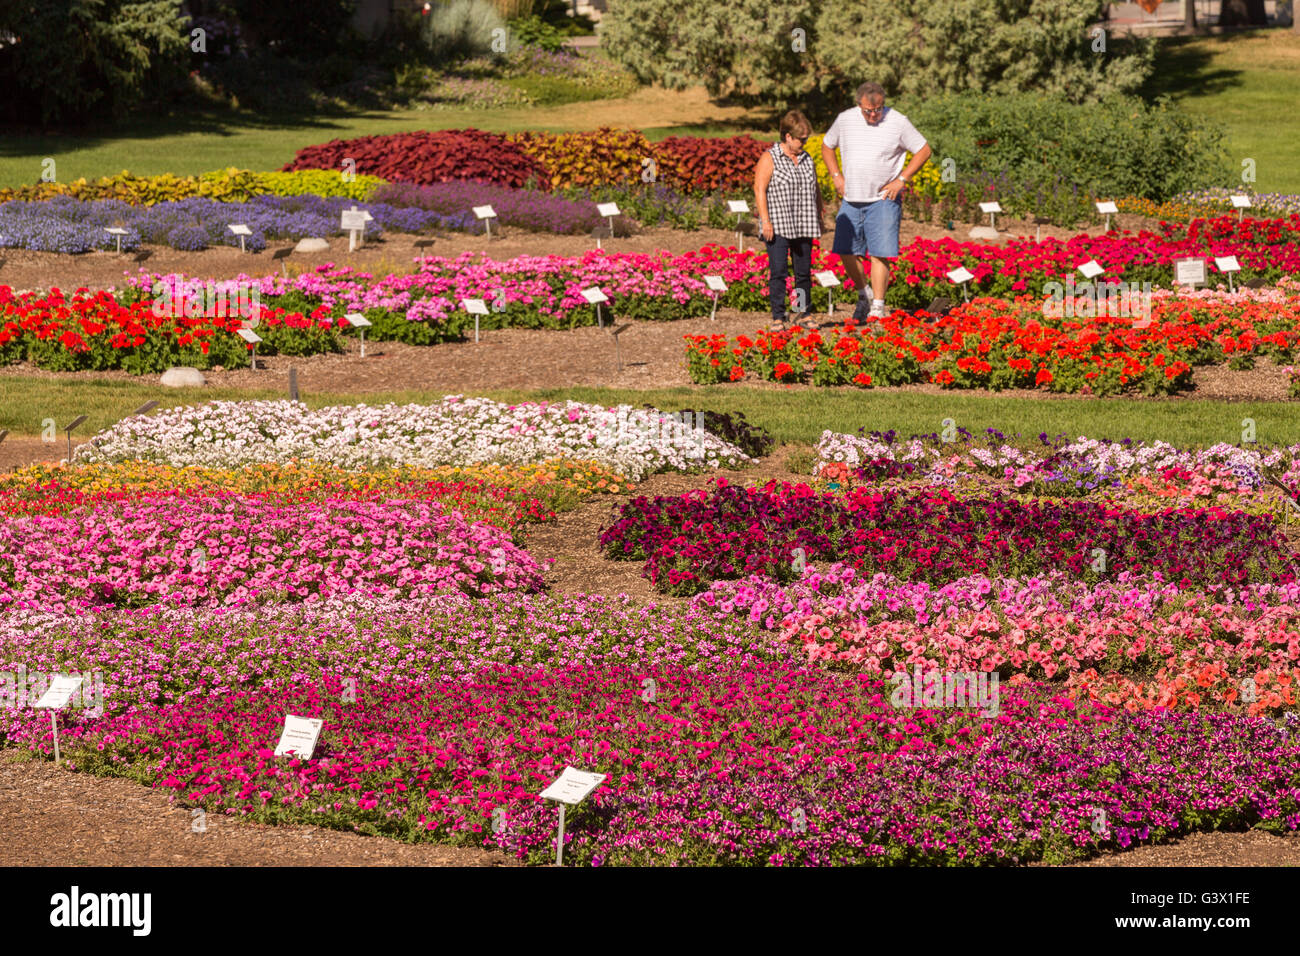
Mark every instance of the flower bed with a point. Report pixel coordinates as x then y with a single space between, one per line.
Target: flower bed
1021 343
688 541
518 208
64 224
1064 467
1157 644
226 185
1207 203
456 431
425 306
98 331
743 761
506 498
197 551
436 156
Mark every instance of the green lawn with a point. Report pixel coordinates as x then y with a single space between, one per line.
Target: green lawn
1247 80
196 141
795 416
1250 81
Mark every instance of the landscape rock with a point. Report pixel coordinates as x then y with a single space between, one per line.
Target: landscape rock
312 244
984 232
182 376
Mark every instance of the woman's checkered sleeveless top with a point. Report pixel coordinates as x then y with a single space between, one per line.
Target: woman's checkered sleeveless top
792 196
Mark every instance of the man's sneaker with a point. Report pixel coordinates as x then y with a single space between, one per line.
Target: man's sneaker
864 307
877 312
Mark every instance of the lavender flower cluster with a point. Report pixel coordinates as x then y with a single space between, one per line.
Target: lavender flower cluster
65 224
523 208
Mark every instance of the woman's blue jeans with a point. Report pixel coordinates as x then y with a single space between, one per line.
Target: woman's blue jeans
779 251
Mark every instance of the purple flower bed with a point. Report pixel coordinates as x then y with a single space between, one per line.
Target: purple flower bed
65 224
523 208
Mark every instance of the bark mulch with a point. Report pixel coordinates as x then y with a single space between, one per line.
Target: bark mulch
67 818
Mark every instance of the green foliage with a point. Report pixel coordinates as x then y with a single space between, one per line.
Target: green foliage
75 59
733 428
1116 147
555 90
534 31
742 48
924 47
319 182
817 52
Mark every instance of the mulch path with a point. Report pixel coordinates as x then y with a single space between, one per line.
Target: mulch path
66 818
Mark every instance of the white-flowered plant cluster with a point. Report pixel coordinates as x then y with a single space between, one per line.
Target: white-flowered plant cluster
455 431
1117 459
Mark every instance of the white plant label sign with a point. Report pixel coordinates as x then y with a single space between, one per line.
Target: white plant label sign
572 786
59 693
299 735
1189 271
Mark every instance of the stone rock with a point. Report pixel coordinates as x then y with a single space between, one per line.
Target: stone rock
312 245
182 376
984 232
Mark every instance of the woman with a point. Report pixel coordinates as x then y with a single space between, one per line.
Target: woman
790 213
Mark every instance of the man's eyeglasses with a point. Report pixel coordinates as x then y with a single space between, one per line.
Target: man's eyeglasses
876 112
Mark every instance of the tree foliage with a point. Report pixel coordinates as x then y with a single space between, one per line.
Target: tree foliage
819 51
70 60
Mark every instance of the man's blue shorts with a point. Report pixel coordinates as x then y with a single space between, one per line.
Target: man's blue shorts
868 228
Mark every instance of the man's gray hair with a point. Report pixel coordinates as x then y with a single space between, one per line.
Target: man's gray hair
870 91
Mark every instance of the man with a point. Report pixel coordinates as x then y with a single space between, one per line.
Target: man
873 140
